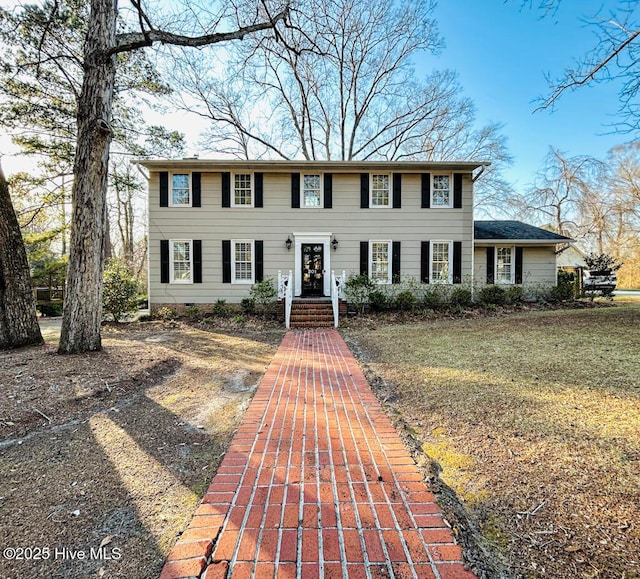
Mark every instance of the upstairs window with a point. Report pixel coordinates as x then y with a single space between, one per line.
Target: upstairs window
180 190
242 190
380 192
504 265
379 261
312 191
441 191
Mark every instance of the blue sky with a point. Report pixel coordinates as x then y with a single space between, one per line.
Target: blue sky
502 53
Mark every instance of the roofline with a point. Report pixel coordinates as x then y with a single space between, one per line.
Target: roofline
540 242
214 165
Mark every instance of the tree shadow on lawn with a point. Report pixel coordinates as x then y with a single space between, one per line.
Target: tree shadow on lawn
129 474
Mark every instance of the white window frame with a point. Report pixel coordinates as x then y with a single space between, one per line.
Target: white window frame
390 192
389 244
512 263
233 190
433 189
432 278
302 189
171 202
172 278
234 280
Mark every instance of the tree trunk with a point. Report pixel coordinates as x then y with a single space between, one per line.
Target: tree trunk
83 299
18 322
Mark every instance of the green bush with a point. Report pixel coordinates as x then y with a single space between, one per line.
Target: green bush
405 301
357 290
165 314
378 300
51 309
492 295
264 292
461 297
514 295
434 296
220 308
248 305
192 312
120 290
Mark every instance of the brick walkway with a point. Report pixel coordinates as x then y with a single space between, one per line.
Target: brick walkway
316 483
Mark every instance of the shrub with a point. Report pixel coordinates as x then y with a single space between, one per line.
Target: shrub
492 295
405 300
264 292
514 295
434 296
248 305
120 290
166 314
220 308
378 300
52 309
357 290
192 312
461 297
239 319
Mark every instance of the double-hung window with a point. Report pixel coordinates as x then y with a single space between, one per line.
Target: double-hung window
441 262
180 190
380 190
243 261
505 269
311 191
380 261
242 190
181 261
441 195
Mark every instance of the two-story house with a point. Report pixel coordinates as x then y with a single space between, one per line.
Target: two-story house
216 227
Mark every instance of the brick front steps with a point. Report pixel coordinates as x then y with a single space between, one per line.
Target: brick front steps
316 484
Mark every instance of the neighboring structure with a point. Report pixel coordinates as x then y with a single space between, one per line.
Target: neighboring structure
512 252
217 227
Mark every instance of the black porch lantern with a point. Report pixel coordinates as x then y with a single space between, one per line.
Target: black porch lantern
334 244
288 242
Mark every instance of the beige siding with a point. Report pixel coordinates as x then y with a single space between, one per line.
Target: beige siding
277 220
538 265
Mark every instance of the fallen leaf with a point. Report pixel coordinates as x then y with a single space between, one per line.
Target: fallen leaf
572 548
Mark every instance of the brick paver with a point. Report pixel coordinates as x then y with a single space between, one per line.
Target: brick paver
316 483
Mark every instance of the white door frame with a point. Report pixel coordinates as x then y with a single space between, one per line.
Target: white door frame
317 238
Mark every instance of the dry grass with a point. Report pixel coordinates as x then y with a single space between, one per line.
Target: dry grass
534 420
132 437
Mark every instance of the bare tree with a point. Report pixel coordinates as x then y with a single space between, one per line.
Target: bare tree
18 323
95 130
613 57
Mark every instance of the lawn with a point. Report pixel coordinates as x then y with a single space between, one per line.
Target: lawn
533 421
116 448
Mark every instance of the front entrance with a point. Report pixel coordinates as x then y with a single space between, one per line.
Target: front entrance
312 269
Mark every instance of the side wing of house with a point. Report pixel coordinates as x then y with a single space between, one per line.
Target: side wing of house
216 228
512 252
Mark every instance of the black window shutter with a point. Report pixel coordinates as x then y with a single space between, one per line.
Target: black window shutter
328 190
295 190
397 190
457 190
518 276
424 261
364 258
425 189
164 261
226 189
364 190
258 247
164 189
259 189
491 264
457 262
226 261
197 261
395 262
196 189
